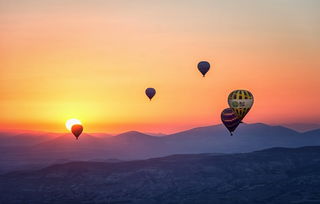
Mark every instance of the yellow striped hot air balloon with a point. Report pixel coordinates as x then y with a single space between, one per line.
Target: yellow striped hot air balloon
241 102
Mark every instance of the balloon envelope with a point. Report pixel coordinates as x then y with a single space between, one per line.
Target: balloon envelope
203 67
241 102
230 119
150 92
77 130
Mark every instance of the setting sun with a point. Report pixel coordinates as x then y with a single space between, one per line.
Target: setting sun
72 122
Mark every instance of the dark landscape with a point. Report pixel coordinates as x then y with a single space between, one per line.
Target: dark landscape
276 176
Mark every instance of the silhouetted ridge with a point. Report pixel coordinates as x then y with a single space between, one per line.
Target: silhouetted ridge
135 145
133 134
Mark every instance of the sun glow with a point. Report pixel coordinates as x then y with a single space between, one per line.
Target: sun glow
72 122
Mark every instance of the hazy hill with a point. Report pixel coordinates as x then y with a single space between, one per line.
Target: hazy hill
23 139
302 127
135 145
247 138
273 176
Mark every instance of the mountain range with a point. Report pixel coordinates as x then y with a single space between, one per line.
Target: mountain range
36 150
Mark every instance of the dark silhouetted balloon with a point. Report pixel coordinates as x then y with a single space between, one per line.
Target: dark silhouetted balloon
77 130
204 67
230 120
150 92
241 102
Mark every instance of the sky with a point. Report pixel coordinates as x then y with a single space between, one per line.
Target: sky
92 60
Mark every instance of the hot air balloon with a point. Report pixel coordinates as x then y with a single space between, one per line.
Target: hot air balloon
230 120
150 92
204 67
241 102
77 130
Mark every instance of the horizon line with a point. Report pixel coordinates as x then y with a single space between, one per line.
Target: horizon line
23 131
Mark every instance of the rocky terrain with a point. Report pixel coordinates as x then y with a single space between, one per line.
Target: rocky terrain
273 176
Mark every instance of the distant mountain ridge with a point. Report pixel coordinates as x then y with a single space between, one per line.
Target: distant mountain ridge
273 176
134 145
302 127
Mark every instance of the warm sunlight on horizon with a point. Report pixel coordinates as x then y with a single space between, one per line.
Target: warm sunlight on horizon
92 60
72 122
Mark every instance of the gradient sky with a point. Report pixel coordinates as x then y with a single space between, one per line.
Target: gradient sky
92 60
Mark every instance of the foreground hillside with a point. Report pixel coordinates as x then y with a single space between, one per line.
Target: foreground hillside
277 175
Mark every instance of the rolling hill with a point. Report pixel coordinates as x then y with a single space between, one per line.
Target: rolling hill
273 176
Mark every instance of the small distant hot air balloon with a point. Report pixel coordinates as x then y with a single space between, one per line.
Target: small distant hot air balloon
241 102
77 130
150 92
230 120
204 67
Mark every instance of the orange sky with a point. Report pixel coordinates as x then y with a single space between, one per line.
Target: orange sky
92 60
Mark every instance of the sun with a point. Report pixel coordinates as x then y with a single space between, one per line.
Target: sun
72 122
